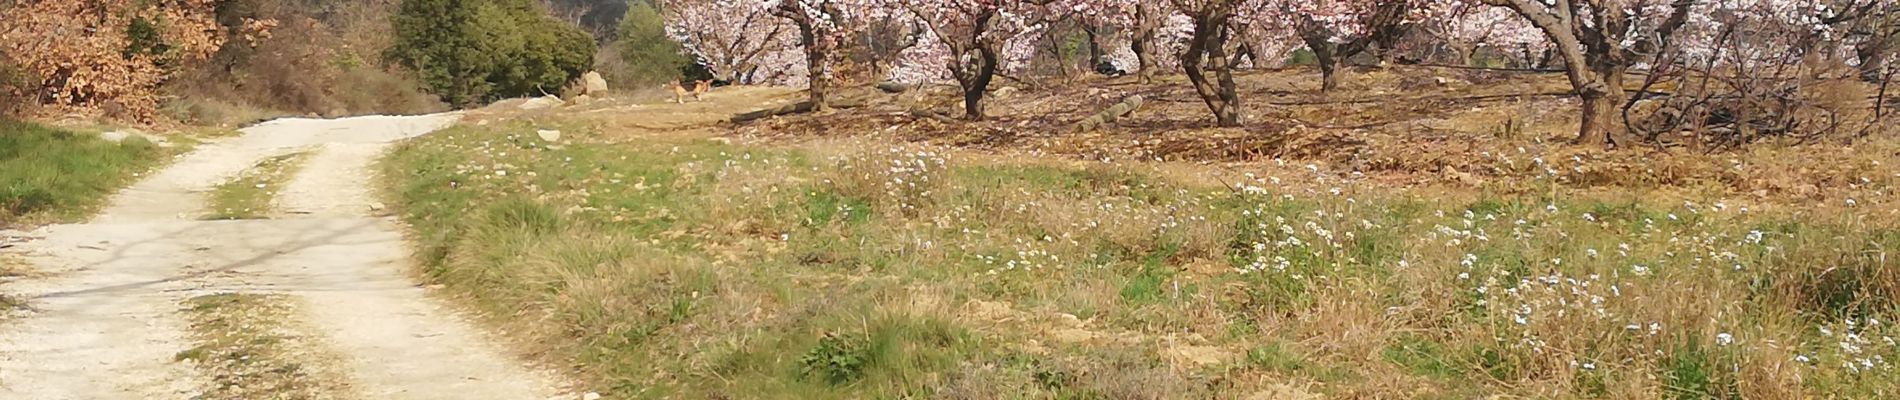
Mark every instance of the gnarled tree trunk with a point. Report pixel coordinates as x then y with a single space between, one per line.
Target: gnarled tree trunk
818 46
975 81
1206 54
1143 38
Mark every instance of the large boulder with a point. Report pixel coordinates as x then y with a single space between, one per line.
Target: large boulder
593 84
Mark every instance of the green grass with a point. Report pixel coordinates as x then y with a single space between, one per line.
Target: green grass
54 175
252 194
676 267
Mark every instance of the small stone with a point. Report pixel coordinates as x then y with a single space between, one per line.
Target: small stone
377 206
115 136
549 135
540 103
590 396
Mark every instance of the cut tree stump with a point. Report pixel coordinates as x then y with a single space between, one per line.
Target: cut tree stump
1126 106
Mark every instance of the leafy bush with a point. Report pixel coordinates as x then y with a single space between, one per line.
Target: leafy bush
645 53
470 52
317 57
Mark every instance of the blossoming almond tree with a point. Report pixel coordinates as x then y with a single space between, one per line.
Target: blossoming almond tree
1465 26
1335 30
1207 53
823 25
1143 23
1598 40
977 38
739 40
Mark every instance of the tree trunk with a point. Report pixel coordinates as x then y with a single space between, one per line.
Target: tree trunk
1142 40
1324 53
1205 54
817 52
818 68
1095 48
978 84
1464 54
1144 56
1602 102
973 104
1873 56
1244 53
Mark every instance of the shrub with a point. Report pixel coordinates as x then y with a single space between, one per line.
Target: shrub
106 56
646 54
470 52
316 58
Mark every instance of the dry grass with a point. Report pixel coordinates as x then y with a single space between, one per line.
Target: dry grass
872 254
251 348
1478 131
725 270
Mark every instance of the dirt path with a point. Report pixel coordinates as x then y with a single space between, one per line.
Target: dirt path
105 322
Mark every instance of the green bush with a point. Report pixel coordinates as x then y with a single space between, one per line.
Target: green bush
323 58
647 54
472 52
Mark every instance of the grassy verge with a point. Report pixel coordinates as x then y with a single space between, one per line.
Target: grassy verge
252 193
676 267
247 345
54 175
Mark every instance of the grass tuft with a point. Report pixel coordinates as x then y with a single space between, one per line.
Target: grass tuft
250 348
252 194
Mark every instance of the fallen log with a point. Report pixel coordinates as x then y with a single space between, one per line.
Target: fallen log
893 87
794 108
1126 106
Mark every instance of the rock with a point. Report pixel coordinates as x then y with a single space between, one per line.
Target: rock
581 100
1069 320
1073 335
1198 356
120 136
987 310
1006 91
1452 174
377 206
593 84
549 135
590 396
115 136
540 103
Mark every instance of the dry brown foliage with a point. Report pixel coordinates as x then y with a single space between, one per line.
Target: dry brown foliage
107 56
